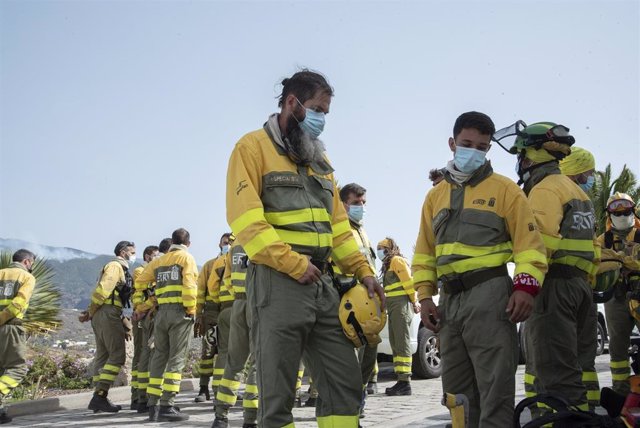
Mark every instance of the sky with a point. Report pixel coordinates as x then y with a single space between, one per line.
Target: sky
117 118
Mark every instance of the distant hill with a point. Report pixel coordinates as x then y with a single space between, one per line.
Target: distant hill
76 271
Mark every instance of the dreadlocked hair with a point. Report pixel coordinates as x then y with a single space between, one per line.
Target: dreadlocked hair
392 251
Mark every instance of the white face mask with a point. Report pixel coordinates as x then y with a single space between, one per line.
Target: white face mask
381 254
623 222
132 259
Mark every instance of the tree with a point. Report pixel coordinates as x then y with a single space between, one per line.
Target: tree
42 315
604 187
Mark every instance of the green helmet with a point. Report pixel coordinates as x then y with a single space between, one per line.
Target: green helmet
536 134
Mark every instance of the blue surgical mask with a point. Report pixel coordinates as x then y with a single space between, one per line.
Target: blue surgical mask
381 254
225 249
356 213
588 185
313 122
468 160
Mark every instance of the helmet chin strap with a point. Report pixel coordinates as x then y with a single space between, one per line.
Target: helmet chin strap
529 170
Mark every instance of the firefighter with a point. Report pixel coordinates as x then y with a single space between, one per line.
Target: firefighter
401 302
283 207
16 287
110 328
139 379
240 355
223 292
623 237
580 166
472 224
207 311
175 275
563 327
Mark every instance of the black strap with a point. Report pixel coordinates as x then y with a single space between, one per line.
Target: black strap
608 239
468 280
562 415
351 319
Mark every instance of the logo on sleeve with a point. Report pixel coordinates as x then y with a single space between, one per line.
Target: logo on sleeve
241 186
583 220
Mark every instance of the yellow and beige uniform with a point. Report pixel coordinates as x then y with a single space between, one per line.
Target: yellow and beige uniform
175 274
16 288
286 215
106 320
561 333
208 309
398 287
468 233
144 300
222 294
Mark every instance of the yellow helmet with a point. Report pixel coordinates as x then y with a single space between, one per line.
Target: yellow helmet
619 202
362 317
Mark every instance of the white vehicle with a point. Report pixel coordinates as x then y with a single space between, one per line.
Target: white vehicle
426 355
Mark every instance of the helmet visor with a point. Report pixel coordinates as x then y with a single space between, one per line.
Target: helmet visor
620 205
507 134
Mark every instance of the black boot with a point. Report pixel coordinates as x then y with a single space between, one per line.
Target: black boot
220 422
246 425
134 404
171 414
142 407
4 417
153 413
402 387
203 394
100 403
311 402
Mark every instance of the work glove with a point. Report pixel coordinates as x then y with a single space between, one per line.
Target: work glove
84 316
128 329
198 327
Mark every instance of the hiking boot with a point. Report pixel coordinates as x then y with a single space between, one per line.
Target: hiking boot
171 414
372 388
246 425
4 417
311 402
402 387
153 413
219 422
100 403
203 395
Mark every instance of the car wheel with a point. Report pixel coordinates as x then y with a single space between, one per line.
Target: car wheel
426 361
600 340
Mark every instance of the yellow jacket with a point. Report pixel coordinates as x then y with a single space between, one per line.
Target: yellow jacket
16 288
137 297
564 214
485 223
175 275
214 280
397 279
112 275
364 245
623 245
283 214
212 267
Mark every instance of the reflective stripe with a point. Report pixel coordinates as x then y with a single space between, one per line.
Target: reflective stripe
165 300
460 249
623 376
111 367
480 262
171 387
346 249
251 389
393 286
340 228
402 369
168 288
529 378
424 275
395 293
250 404
153 391
218 371
261 241
226 398
4 389
246 219
308 239
305 215
402 359
231 384
106 376
11 383
336 421
173 376
619 364
589 377
593 395
423 259
238 276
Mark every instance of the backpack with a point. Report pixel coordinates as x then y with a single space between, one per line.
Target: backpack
562 415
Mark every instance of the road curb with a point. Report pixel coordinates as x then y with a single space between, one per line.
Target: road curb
120 395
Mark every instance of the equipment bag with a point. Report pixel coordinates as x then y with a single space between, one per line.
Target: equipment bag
561 415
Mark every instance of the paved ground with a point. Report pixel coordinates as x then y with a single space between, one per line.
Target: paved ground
422 409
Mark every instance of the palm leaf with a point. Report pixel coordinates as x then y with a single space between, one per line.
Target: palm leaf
44 306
